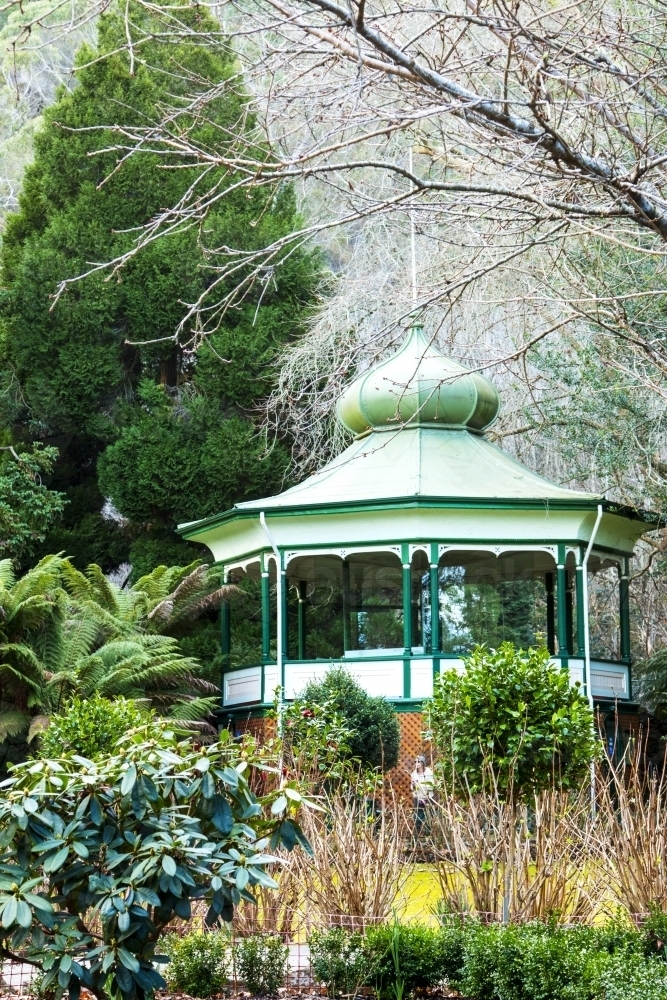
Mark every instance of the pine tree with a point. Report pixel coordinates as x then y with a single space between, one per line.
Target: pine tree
166 437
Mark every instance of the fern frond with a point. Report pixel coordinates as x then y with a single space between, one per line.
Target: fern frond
105 593
193 709
76 583
12 722
210 601
7 574
163 580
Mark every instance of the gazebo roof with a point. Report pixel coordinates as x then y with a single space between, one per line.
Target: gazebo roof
419 420
420 462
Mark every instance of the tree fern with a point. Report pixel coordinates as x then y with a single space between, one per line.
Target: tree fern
64 633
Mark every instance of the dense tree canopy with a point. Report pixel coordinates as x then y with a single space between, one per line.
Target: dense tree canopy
173 434
27 507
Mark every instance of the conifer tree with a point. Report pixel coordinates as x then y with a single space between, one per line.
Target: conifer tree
164 435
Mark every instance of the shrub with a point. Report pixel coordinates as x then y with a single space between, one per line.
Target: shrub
90 727
419 956
316 740
97 860
654 933
539 961
511 721
545 963
198 963
534 961
261 963
630 977
374 732
339 960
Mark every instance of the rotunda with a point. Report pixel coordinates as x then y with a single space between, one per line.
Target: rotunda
419 541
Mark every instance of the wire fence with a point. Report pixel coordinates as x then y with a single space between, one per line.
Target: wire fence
19 979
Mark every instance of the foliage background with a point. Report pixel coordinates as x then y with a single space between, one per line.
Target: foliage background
162 435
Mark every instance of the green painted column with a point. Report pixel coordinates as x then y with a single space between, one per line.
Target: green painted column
407 622
579 593
435 602
561 603
346 605
435 611
569 609
301 621
266 614
551 613
282 611
225 637
624 589
407 609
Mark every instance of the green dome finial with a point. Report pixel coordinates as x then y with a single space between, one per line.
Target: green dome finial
418 386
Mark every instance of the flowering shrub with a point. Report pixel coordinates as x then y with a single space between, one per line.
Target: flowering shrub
316 740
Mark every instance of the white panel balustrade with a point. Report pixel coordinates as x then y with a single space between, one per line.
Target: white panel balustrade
609 680
377 677
576 670
271 681
242 687
385 678
421 678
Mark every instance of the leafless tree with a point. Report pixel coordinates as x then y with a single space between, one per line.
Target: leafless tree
514 124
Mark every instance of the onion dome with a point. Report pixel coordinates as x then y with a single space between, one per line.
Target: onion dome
418 386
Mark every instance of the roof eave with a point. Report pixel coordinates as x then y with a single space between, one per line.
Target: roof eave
191 529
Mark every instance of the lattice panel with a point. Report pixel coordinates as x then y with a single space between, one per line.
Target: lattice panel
412 744
628 724
261 728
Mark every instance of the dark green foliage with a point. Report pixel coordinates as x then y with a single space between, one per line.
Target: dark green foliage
654 932
535 961
159 545
419 956
126 845
82 531
339 959
374 731
90 727
511 718
182 469
27 507
198 963
261 963
173 433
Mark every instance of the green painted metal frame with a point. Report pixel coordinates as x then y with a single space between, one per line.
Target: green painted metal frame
561 608
579 599
435 653
301 620
624 594
266 610
407 618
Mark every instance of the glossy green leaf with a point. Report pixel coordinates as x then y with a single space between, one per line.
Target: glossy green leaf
168 864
